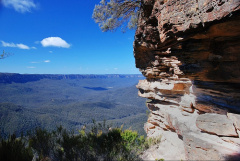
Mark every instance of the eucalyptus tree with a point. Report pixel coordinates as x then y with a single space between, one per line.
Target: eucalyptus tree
4 55
111 14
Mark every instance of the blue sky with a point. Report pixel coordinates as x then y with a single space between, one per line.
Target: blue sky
60 37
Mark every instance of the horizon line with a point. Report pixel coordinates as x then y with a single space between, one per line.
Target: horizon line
63 74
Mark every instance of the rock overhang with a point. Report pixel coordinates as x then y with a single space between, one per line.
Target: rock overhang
189 52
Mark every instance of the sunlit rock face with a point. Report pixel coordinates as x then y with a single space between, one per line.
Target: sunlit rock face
189 52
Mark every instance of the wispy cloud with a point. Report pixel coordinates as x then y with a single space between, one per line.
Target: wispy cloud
5 44
22 46
33 47
34 62
47 61
55 42
13 45
19 5
31 67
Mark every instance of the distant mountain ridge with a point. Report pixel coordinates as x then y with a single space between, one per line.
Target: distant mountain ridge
24 78
28 101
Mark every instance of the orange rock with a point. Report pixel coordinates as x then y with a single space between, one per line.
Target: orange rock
178 87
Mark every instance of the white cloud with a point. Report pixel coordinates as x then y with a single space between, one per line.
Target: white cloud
20 46
115 68
20 5
50 51
55 41
5 44
31 67
33 47
34 62
46 61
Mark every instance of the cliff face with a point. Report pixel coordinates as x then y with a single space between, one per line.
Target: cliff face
189 52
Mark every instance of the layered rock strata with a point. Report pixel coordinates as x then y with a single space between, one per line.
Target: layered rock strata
189 52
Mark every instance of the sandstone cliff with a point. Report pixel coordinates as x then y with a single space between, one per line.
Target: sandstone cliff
189 52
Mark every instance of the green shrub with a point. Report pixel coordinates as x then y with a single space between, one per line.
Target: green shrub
101 143
15 149
42 142
152 141
159 159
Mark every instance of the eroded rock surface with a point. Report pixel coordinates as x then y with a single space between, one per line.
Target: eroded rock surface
189 52
216 124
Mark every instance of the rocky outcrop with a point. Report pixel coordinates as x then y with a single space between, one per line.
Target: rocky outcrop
189 52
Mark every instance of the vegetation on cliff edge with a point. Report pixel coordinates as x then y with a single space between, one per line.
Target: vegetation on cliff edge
101 143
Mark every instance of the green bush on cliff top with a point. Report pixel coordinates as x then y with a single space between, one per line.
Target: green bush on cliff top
101 143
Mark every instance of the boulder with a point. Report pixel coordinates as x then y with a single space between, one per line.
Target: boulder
216 124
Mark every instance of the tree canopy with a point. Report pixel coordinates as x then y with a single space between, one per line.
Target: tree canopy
111 14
